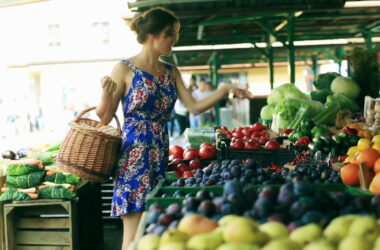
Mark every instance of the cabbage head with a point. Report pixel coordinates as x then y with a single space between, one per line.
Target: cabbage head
345 86
286 90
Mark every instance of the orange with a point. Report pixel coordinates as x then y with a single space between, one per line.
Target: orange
368 156
350 174
376 167
374 187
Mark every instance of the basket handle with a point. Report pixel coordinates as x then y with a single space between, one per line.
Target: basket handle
79 116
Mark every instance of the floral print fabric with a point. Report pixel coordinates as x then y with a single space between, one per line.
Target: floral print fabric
147 108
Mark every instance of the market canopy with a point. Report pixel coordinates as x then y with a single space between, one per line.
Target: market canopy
257 22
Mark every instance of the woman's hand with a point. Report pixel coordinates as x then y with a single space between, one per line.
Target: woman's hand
108 84
238 92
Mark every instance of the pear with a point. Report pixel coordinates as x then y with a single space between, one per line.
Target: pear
354 242
376 245
282 244
338 228
274 229
306 234
320 244
365 227
173 235
205 241
244 231
240 246
227 219
173 246
193 224
148 242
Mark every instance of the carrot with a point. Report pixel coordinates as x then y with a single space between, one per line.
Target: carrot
27 190
51 172
71 188
27 162
34 196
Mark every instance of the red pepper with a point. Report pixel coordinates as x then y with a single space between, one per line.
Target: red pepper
288 131
349 130
303 141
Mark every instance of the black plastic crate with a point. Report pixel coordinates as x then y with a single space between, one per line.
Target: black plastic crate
263 157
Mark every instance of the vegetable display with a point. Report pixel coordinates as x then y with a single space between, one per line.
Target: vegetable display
25 181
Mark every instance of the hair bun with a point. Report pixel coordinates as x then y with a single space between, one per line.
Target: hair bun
137 22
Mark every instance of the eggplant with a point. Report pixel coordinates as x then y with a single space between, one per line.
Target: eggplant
9 154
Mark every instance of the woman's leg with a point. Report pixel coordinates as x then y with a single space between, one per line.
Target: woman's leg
130 224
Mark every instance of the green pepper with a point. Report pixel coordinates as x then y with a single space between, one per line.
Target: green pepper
353 140
296 134
320 130
318 142
344 135
337 139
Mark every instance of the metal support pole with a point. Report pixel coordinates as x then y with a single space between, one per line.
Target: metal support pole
215 83
270 60
368 40
291 47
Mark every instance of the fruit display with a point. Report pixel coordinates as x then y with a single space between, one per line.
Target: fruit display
296 215
236 232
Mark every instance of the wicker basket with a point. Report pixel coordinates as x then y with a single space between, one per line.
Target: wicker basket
90 149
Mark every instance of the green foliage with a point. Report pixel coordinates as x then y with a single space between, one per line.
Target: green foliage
267 111
365 71
22 169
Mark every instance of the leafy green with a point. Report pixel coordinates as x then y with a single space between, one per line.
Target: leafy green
279 94
14 195
25 181
61 178
48 157
323 81
56 192
22 169
346 103
267 111
320 95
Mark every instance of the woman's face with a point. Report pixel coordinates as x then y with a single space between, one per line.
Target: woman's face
165 41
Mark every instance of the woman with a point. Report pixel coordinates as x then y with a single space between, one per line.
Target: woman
147 89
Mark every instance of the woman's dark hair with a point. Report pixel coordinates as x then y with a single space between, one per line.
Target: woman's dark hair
152 21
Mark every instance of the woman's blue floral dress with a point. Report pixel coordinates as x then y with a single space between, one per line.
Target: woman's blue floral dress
147 109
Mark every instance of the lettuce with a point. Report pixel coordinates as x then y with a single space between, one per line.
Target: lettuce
284 91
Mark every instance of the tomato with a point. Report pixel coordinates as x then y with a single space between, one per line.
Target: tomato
252 145
229 135
238 134
175 149
257 126
263 140
182 167
187 174
272 144
224 128
207 153
195 164
205 144
190 155
178 174
255 135
237 144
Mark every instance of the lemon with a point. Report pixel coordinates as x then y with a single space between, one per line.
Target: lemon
364 143
352 150
376 139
